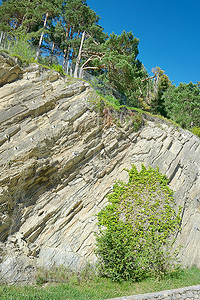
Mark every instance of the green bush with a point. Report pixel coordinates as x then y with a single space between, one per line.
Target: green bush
137 228
136 118
112 100
196 131
21 48
58 68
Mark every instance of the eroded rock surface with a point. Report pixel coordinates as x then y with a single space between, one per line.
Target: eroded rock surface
9 69
59 158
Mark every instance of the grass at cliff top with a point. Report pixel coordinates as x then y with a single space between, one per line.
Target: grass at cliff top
99 288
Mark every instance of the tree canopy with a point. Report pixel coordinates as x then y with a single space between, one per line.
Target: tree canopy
67 32
182 104
70 30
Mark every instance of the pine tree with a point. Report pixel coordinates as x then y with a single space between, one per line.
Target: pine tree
47 9
182 104
161 84
71 28
29 17
115 62
78 19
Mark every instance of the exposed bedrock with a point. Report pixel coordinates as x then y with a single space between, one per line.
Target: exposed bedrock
9 69
59 158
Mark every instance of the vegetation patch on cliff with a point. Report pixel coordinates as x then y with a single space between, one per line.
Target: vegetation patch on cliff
137 228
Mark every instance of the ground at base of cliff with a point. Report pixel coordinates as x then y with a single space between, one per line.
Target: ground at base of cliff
98 288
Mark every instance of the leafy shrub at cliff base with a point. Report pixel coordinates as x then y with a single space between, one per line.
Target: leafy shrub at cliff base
137 228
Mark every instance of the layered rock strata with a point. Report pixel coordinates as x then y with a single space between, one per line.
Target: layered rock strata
9 68
59 158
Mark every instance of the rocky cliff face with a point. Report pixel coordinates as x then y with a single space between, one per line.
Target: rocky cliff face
59 158
9 69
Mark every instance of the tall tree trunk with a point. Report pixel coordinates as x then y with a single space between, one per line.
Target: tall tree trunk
79 56
4 40
66 69
51 57
64 57
70 71
41 37
66 50
81 72
66 60
1 37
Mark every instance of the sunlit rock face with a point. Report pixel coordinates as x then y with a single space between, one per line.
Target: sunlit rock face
9 69
59 158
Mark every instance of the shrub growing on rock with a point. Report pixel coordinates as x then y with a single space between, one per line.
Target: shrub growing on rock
138 227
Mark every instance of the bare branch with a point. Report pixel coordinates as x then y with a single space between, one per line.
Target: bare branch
151 77
93 53
91 58
91 68
95 42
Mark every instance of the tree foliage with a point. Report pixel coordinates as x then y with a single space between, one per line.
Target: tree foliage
63 27
69 30
160 85
115 62
182 104
137 228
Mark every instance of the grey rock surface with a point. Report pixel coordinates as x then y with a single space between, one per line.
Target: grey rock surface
9 69
59 158
186 293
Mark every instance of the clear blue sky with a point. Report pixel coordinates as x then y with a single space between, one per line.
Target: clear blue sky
169 32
